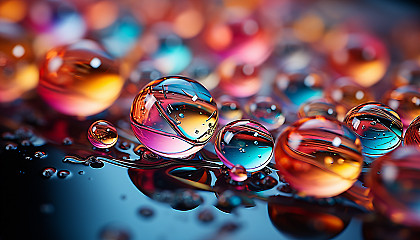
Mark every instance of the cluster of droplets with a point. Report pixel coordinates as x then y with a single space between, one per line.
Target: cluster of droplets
320 87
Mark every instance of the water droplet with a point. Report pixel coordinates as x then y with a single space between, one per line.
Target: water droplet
146 212
28 158
11 146
67 141
206 216
238 173
48 172
115 233
63 173
81 172
40 154
102 134
181 115
26 143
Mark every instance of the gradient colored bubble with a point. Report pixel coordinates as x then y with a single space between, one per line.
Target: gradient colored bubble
346 94
18 71
246 143
239 80
172 55
395 183
266 111
299 87
408 73
319 157
174 116
317 107
412 134
362 56
405 101
238 173
102 134
241 39
229 109
378 126
79 79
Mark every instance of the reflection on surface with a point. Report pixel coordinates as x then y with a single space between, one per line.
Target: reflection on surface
299 219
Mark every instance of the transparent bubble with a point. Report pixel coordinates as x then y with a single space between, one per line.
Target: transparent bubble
172 55
102 134
117 29
319 157
79 79
378 126
238 79
394 184
204 72
299 87
362 56
408 73
229 109
412 134
405 101
266 111
174 116
240 39
246 143
317 107
346 94
238 173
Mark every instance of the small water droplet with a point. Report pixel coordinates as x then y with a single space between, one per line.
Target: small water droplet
63 173
373 123
146 212
259 155
40 154
48 172
10 146
26 143
181 115
28 158
196 131
81 172
206 216
256 142
67 141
